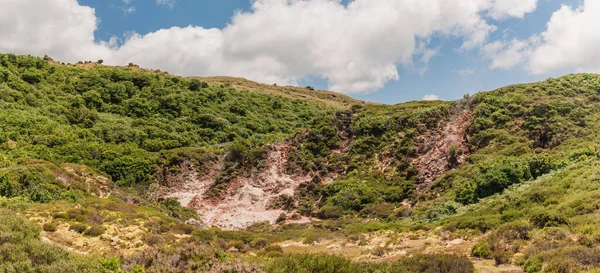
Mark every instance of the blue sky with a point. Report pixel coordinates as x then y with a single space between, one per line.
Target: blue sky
454 69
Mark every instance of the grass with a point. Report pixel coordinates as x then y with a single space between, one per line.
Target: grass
87 146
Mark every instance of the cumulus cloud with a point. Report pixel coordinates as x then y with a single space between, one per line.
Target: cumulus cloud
62 28
506 55
357 47
570 42
431 97
511 8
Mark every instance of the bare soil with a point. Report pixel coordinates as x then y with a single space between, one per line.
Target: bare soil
247 199
432 158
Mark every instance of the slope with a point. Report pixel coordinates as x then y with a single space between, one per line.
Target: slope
101 159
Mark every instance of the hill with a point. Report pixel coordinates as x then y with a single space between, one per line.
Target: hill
121 168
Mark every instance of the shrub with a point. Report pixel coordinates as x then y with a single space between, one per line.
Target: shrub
378 251
533 265
334 264
273 248
237 245
259 243
397 194
481 250
94 231
77 227
203 235
49 227
153 240
501 257
544 219
95 218
378 211
181 228
282 217
330 212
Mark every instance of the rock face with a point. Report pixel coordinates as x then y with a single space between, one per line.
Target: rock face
433 149
247 199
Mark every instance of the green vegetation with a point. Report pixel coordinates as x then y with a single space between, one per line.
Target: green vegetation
522 180
117 120
333 264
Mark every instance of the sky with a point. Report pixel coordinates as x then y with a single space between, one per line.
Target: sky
387 51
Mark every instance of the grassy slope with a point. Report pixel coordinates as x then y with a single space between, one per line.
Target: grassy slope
537 140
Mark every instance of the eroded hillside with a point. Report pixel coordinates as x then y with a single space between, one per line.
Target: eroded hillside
167 174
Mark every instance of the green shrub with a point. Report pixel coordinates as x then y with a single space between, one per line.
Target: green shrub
273 248
181 228
481 250
94 231
544 219
330 212
49 227
259 243
153 240
203 235
237 244
501 257
77 227
330 264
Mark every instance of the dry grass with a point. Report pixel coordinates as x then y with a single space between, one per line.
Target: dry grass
329 98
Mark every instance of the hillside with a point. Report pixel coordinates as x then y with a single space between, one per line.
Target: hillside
121 169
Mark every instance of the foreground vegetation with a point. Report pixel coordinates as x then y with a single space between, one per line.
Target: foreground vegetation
83 148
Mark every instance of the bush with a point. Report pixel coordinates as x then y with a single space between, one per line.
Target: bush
481 250
502 257
544 219
153 240
49 227
77 227
181 228
273 248
237 245
282 217
397 194
203 235
330 212
334 264
94 231
259 243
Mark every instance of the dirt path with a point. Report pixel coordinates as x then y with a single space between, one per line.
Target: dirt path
432 158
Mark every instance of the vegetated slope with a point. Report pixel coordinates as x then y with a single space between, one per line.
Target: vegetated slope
428 164
94 155
336 100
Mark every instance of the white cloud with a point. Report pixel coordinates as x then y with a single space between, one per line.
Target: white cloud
570 42
466 72
60 28
128 10
170 3
512 8
506 55
431 97
357 47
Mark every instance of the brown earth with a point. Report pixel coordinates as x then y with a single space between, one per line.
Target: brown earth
247 200
432 158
